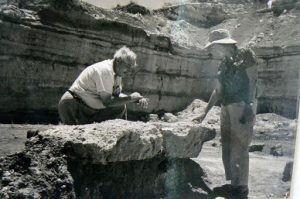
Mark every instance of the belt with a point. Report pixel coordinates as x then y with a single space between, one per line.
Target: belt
77 98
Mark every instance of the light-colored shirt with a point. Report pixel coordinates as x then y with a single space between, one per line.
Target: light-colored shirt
95 81
270 4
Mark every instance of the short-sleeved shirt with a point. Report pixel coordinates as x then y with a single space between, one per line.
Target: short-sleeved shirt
94 81
237 84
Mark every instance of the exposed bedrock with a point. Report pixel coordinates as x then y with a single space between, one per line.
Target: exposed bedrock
45 47
199 14
278 80
39 62
113 159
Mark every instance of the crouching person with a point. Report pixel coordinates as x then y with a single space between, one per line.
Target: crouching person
96 95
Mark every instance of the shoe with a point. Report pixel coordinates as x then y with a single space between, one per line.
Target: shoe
232 191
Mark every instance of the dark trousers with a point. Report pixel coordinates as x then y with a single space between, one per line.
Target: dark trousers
73 112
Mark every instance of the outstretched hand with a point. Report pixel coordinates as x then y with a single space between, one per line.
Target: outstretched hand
140 100
135 97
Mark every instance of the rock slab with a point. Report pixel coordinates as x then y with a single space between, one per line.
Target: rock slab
113 159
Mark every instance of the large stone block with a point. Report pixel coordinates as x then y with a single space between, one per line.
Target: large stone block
120 140
112 159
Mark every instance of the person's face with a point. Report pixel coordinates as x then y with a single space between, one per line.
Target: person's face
219 51
122 68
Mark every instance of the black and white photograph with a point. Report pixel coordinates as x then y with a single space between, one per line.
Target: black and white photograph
149 99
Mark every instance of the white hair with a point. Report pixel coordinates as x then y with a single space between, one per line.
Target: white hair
126 55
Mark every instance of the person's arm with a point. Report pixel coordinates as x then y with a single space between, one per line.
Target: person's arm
215 96
109 101
143 103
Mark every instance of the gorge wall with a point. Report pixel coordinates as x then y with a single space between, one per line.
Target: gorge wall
45 45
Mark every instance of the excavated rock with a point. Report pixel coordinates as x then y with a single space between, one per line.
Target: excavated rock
120 140
59 162
112 159
110 141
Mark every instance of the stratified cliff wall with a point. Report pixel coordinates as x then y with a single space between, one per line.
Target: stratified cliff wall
278 77
45 45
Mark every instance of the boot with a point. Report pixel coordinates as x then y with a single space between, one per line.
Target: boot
232 191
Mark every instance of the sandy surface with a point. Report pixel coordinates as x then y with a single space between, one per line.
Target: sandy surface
265 172
13 137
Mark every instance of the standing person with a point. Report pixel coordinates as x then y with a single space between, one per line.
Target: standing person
236 90
96 95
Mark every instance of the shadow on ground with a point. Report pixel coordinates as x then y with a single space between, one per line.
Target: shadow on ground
154 178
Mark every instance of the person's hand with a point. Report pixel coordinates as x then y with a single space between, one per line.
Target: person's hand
143 103
199 118
248 115
135 96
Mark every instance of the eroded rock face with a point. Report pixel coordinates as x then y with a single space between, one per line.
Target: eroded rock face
112 159
46 44
278 81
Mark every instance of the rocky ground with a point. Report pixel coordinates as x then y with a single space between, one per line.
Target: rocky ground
273 147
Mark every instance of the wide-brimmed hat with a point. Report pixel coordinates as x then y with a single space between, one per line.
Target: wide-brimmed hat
220 36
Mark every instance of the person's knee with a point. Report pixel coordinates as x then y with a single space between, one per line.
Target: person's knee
65 112
62 112
119 111
61 109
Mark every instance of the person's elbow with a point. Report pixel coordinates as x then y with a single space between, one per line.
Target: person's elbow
107 101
